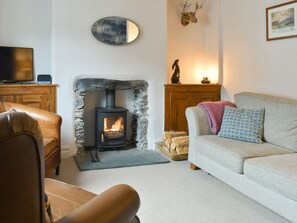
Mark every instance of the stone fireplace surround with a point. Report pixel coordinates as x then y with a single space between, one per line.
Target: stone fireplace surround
140 113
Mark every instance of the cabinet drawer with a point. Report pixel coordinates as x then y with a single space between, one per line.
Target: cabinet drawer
37 101
206 96
9 98
39 96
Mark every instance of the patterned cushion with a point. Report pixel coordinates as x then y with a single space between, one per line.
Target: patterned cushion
243 125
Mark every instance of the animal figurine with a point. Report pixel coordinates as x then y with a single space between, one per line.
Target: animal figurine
176 74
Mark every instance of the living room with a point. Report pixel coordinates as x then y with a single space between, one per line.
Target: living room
228 44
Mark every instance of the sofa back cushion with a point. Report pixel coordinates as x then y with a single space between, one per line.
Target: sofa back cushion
280 121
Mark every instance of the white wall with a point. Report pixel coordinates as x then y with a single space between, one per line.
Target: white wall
188 43
27 23
250 63
77 53
229 44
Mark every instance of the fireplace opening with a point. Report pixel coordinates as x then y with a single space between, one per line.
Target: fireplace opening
111 124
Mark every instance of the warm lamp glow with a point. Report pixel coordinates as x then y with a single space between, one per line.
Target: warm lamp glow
198 73
210 72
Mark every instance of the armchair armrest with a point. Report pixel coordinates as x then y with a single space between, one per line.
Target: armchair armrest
197 122
118 204
49 122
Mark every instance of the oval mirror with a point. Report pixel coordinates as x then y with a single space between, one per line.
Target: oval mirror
115 30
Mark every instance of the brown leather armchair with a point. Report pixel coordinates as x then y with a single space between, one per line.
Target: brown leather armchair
50 125
22 184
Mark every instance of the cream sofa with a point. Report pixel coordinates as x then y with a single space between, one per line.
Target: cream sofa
265 172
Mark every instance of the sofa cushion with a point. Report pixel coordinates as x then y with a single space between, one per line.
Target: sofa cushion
65 198
50 145
280 121
232 153
278 173
243 125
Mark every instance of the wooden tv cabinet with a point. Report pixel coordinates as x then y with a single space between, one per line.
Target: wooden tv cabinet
37 95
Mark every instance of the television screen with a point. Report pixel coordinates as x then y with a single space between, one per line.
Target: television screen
16 64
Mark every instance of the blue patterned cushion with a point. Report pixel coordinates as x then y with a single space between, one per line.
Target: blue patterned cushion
243 125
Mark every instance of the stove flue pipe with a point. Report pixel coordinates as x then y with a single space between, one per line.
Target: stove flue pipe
110 98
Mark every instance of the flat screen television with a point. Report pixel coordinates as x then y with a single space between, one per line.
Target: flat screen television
16 64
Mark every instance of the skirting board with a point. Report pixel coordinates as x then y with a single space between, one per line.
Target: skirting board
65 152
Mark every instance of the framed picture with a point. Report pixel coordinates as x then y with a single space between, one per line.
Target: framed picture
281 21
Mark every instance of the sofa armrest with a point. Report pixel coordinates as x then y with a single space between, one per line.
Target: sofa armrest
197 122
118 204
49 122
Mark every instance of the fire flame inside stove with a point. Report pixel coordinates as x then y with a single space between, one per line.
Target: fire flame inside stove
111 125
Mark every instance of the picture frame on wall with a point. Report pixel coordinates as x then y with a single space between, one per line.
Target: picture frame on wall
281 21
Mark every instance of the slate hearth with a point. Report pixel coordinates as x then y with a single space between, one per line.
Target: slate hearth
139 119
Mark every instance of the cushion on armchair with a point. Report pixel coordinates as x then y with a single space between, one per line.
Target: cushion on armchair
119 203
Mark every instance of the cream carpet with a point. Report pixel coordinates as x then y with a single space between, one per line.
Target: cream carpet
173 193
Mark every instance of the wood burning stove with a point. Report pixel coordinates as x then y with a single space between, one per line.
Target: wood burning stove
111 127
111 124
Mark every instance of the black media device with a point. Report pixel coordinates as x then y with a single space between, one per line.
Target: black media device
44 79
16 64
